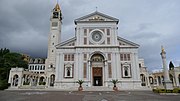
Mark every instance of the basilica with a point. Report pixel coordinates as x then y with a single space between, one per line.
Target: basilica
96 55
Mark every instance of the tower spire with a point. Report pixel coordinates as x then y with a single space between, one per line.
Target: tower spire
57 11
57 7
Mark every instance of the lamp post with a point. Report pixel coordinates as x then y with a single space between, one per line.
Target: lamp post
167 81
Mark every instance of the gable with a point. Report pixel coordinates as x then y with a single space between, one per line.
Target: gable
70 42
126 43
96 17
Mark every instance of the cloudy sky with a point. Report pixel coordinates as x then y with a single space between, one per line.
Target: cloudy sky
24 25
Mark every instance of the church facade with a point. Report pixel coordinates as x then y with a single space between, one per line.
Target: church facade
96 55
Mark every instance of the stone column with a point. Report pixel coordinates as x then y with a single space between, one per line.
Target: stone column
30 81
22 81
12 82
106 73
167 81
89 73
147 81
38 81
157 81
47 81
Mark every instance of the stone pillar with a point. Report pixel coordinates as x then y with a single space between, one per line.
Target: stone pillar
22 81
148 83
30 81
106 73
12 81
157 83
19 81
47 81
38 81
89 73
167 81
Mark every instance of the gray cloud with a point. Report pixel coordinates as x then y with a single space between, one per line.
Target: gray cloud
24 24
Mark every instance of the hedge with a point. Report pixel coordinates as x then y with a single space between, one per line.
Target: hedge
175 90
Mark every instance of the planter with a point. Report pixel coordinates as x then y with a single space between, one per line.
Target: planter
80 82
80 88
115 88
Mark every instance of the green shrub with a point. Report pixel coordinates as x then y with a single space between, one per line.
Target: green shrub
169 91
162 90
175 90
156 90
4 84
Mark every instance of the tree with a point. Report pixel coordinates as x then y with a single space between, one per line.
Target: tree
7 61
171 66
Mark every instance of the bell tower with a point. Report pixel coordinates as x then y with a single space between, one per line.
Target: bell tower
54 35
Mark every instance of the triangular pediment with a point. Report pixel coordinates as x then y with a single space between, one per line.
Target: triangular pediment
70 42
126 43
96 17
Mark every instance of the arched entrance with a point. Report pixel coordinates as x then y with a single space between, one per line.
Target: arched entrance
97 65
143 80
151 80
52 79
42 81
15 80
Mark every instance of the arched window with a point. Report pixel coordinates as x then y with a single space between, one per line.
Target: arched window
68 71
125 71
51 66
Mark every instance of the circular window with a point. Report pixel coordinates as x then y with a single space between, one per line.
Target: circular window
96 36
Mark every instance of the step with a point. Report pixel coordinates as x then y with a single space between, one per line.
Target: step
97 88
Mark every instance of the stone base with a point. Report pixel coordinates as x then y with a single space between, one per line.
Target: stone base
168 84
122 85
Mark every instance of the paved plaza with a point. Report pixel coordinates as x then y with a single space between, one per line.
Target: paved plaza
16 95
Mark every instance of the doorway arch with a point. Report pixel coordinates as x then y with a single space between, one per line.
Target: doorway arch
15 80
97 67
52 79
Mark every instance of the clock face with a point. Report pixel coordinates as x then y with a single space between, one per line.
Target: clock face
96 36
